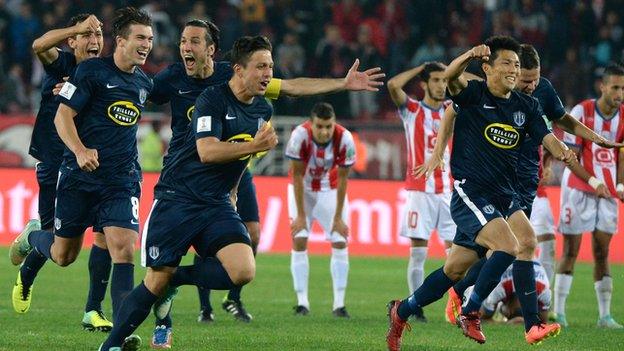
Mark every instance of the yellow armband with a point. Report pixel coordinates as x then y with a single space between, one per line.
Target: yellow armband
273 89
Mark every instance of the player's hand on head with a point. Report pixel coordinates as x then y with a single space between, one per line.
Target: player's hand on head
298 224
340 227
265 138
602 191
369 80
58 86
87 160
480 52
91 24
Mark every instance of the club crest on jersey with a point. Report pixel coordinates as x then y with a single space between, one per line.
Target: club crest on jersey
488 209
142 95
124 113
519 118
241 138
153 252
502 136
189 112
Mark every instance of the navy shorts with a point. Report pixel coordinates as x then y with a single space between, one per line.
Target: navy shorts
47 175
246 202
80 205
173 227
472 210
526 191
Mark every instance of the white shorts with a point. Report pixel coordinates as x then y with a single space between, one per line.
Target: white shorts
542 218
319 206
425 212
584 212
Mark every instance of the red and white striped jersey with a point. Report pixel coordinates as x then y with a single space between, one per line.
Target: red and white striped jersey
421 124
322 161
541 189
505 290
598 161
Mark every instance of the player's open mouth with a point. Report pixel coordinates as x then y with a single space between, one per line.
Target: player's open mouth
142 53
511 79
93 52
189 61
264 84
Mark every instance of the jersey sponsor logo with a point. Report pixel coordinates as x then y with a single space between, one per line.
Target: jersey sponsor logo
503 136
124 113
261 123
142 95
68 90
204 124
241 138
519 118
189 112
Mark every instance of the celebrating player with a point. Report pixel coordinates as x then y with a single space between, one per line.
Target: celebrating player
428 200
581 209
321 153
99 179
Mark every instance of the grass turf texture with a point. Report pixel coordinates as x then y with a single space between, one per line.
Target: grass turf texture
53 322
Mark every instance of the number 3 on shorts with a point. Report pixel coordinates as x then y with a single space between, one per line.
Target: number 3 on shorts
135 207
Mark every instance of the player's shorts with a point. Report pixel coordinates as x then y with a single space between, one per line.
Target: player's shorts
585 212
471 210
172 227
246 202
542 218
80 205
47 176
526 191
425 212
319 206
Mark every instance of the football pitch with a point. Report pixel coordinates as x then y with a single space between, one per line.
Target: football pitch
53 322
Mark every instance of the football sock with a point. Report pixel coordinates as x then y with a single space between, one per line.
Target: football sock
563 282
204 294
135 308
416 268
339 267
31 266
99 271
431 290
547 257
526 291
488 279
121 284
167 322
470 278
209 274
41 241
604 289
300 270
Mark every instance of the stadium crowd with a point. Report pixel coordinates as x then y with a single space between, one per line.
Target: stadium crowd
321 38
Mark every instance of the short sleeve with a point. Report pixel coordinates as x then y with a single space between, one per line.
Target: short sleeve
295 146
346 157
80 87
409 108
62 66
571 139
553 108
208 116
470 95
161 92
537 127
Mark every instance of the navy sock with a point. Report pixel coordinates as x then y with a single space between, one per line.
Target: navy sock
431 290
135 308
209 274
526 291
488 279
204 294
31 266
470 279
234 294
99 272
121 285
167 322
41 241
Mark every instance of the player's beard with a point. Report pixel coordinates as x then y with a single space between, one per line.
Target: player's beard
433 96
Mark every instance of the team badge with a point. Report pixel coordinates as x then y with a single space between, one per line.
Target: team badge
154 251
142 95
57 223
488 209
519 118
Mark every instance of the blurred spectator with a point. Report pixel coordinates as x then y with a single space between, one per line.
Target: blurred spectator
603 51
151 149
364 103
165 33
347 15
23 30
290 57
431 50
253 14
571 79
17 89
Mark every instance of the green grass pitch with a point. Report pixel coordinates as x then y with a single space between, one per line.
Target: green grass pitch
53 323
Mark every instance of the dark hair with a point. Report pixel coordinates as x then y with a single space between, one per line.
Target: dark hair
81 17
127 16
425 74
529 58
613 69
501 42
245 46
322 110
212 31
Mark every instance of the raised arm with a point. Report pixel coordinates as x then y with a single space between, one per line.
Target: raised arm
396 84
457 81
45 46
369 80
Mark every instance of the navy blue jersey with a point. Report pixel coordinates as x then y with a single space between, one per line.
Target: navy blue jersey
488 133
45 144
529 159
109 102
173 85
217 114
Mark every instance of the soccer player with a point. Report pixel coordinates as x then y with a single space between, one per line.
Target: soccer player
84 37
428 200
583 211
491 124
321 153
99 181
192 204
